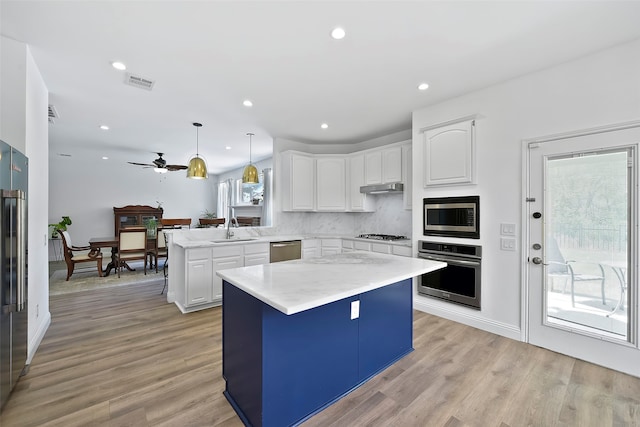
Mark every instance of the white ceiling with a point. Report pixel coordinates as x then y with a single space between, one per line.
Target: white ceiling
206 57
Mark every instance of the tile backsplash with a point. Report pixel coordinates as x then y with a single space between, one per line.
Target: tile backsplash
389 217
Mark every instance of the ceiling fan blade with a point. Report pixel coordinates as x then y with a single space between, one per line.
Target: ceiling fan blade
141 164
176 167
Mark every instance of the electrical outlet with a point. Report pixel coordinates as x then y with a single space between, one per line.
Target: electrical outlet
507 244
507 229
37 310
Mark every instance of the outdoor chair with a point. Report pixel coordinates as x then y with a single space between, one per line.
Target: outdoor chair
572 271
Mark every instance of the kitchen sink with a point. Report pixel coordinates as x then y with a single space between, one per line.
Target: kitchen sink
232 240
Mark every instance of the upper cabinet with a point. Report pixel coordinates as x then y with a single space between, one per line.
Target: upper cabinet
407 177
449 154
331 179
298 177
383 165
331 182
358 202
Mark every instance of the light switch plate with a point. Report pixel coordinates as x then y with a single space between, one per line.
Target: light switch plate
355 309
507 229
507 244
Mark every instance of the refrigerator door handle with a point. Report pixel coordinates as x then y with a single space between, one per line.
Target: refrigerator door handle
20 197
22 250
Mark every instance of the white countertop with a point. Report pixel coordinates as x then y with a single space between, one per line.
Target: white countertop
295 286
207 243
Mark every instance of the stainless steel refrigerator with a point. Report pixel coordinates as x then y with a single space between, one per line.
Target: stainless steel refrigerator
13 267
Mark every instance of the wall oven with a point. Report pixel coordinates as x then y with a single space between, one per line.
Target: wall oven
452 216
459 281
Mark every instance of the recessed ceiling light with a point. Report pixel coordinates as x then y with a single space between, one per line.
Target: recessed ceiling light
104 127
118 66
227 148
338 33
324 126
105 158
423 86
247 103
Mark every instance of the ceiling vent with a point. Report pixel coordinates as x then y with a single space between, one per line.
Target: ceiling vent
138 81
53 114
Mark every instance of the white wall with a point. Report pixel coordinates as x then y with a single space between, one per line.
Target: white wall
24 100
596 90
87 190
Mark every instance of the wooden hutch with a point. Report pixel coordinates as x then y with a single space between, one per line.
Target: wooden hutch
135 216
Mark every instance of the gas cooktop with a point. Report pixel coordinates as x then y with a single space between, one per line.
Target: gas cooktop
381 237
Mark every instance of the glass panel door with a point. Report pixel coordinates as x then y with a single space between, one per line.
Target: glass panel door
582 251
586 235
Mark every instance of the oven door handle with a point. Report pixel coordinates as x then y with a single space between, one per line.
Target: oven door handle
452 261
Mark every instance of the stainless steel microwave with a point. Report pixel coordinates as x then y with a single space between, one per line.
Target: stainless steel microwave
452 216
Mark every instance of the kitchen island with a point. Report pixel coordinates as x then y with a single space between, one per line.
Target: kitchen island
299 335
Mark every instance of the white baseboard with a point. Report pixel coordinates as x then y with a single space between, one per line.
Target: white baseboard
37 339
468 317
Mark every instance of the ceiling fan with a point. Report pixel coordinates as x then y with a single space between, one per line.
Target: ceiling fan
160 165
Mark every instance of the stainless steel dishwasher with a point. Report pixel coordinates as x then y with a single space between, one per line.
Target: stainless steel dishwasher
285 251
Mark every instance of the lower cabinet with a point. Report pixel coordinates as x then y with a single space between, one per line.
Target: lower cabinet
310 248
330 246
201 287
198 276
280 369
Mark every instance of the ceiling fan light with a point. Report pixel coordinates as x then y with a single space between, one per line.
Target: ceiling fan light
197 168
250 175
160 170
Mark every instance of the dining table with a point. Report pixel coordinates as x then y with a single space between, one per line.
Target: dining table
97 243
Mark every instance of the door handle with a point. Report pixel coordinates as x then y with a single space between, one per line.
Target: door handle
537 260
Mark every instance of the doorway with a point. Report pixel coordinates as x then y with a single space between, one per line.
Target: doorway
582 207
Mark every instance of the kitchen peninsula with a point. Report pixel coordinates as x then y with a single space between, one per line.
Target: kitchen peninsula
301 334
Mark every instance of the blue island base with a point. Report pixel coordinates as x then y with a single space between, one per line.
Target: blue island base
282 369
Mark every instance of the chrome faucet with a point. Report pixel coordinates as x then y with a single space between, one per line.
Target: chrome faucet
229 232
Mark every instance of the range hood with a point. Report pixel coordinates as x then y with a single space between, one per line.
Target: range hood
394 187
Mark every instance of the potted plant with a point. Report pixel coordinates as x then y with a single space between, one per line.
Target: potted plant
152 225
60 226
208 219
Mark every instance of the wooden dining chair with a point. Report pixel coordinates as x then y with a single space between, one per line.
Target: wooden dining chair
132 245
211 222
175 222
77 254
159 249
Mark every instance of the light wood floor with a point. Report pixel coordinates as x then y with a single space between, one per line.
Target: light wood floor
124 357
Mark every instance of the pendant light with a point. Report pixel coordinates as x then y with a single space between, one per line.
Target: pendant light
250 173
197 167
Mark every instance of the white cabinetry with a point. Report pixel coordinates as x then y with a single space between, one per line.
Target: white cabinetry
198 287
298 181
310 248
358 202
449 154
407 178
198 276
331 183
330 246
256 254
383 248
383 165
392 164
227 257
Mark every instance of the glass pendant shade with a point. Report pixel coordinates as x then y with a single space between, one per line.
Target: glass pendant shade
197 167
250 173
